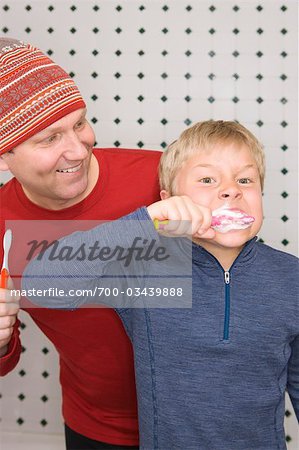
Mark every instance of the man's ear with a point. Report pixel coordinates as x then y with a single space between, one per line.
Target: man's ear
3 163
164 194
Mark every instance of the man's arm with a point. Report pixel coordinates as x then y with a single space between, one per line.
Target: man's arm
11 352
10 346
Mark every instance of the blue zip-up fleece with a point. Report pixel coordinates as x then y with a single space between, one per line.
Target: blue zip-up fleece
214 376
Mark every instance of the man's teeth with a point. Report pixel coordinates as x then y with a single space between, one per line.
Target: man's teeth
70 170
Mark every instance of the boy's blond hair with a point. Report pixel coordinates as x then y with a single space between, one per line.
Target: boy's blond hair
203 136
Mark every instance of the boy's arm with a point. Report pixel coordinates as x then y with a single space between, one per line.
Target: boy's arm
293 376
62 274
184 217
86 270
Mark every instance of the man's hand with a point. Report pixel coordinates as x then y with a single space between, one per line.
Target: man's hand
9 308
185 217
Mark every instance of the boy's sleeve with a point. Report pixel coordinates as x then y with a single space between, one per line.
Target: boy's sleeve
9 361
293 376
125 315
73 275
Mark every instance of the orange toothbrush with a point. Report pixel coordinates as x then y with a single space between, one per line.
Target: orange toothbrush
6 247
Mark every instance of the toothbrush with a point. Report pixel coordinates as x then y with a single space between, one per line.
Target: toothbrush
4 270
223 220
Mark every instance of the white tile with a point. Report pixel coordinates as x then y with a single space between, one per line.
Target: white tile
224 66
223 110
28 441
247 43
271 111
247 111
199 87
200 110
231 42
224 88
247 89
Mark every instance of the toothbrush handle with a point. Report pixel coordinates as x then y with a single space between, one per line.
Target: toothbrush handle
159 224
3 278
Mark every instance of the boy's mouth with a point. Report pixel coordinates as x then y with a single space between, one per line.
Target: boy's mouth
225 219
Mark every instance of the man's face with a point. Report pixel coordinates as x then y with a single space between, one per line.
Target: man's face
54 166
225 175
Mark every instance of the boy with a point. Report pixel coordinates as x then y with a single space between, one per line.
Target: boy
212 376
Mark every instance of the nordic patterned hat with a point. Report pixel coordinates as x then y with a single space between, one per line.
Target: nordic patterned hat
34 93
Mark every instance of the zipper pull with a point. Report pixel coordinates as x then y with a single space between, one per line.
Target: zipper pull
226 277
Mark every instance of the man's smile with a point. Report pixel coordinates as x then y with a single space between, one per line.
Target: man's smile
70 169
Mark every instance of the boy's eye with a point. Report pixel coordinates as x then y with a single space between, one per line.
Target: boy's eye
245 180
207 180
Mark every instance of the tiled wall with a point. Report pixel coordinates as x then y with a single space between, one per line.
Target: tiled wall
147 70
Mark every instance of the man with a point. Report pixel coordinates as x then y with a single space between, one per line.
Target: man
47 144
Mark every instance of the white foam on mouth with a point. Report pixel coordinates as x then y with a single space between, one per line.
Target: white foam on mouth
225 219
70 170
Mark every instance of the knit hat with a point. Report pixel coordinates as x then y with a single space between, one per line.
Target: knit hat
34 93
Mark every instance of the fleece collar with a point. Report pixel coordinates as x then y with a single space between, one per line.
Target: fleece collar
202 257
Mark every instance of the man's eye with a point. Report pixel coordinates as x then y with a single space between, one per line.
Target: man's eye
81 123
207 180
51 139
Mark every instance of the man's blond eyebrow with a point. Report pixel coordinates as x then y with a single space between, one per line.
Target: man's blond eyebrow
204 165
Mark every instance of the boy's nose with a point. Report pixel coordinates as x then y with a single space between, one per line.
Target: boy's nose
232 191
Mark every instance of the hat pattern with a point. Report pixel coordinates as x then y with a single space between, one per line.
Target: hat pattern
34 93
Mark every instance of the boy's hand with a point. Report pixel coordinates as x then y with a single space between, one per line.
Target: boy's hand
185 217
9 308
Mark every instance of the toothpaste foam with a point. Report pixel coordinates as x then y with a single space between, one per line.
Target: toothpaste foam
225 219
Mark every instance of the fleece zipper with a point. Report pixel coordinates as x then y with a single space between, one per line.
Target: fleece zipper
227 294
226 273
227 306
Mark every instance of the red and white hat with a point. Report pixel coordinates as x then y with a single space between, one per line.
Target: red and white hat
34 93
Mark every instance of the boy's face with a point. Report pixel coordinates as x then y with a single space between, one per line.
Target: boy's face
53 166
225 174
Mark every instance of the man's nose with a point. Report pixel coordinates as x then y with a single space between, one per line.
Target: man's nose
75 148
230 191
